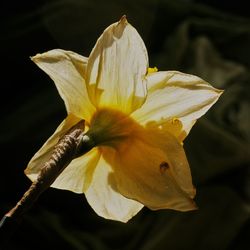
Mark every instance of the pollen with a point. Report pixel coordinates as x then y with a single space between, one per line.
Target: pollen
152 70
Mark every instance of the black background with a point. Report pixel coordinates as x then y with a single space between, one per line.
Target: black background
218 146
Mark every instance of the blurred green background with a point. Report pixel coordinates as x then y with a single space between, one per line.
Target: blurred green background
208 38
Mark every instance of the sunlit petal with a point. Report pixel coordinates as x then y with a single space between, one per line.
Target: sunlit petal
67 69
116 68
78 175
173 94
44 153
103 197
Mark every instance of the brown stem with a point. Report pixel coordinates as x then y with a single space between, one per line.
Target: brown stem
70 146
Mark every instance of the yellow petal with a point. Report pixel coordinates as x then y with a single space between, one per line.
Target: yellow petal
116 68
77 176
67 70
103 197
44 153
152 168
173 94
171 125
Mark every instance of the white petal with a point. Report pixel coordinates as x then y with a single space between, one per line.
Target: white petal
173 94
77 176
116 68
103 197
67 70
44 153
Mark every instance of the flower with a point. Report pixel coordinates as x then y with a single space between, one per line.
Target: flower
138 118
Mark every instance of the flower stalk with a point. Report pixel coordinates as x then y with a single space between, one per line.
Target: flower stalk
71 145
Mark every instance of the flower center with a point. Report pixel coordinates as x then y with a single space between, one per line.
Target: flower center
109 127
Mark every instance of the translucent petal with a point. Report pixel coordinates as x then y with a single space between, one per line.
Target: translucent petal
77 176
44 153
116 68
152 168
173 94
103 197
67 69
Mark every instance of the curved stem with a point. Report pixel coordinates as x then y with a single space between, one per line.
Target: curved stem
73 144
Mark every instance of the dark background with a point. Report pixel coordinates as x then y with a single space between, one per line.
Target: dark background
208 38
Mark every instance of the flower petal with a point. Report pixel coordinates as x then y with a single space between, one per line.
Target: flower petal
173 94
77 176
116 68
67 70
104 198
44 153
152 169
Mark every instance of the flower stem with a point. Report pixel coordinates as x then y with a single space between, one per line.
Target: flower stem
73 144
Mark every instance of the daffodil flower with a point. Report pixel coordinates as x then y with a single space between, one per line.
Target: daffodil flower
138 119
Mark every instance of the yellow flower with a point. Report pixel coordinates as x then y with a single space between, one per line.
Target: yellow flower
137 117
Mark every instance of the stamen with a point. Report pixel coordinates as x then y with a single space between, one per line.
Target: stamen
152 70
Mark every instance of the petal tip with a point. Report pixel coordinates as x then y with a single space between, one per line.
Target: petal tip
123 20
221 91
26 172
32 58
195 207
36 57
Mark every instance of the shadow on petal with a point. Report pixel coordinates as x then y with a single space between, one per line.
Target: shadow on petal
151 167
